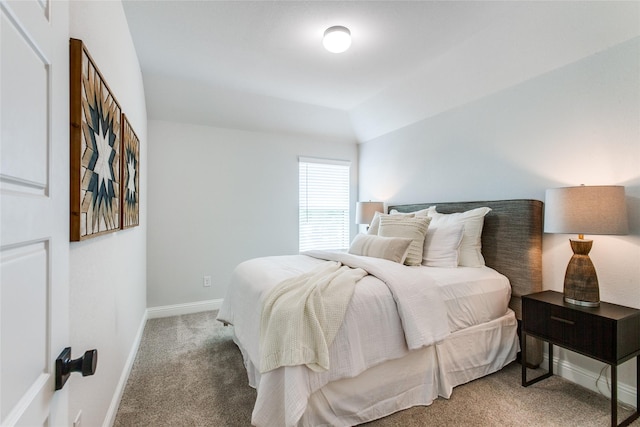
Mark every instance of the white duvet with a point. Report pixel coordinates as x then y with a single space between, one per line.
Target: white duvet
393 309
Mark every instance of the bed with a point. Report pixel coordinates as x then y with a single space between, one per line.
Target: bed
381 360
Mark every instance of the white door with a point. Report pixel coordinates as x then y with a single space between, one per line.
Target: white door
34 209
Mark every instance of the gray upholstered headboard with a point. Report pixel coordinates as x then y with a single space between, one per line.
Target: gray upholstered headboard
511 240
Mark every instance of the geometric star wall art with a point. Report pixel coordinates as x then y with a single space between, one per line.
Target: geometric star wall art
95 149
130 175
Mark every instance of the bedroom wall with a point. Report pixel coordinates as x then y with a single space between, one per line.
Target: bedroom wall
579 124
219 197
108 273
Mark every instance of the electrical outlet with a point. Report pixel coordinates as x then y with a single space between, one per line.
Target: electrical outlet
78 421
206 281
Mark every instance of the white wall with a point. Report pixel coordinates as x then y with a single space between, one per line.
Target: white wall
579 124
108 273
219 197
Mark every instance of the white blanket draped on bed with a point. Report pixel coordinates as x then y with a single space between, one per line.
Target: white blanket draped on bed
301 316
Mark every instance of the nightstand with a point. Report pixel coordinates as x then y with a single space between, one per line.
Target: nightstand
609 333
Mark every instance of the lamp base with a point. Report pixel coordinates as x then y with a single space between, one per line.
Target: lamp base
581 280
582 303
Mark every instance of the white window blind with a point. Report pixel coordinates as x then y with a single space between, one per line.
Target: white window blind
324 204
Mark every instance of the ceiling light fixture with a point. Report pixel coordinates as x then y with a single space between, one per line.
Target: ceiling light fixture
337 39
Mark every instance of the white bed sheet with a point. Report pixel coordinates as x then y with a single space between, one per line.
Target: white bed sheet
472 295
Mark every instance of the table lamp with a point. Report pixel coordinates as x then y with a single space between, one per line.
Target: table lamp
584 210
366 210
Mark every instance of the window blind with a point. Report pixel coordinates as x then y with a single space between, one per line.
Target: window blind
323 204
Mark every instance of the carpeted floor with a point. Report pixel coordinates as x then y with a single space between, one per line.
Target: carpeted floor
188 372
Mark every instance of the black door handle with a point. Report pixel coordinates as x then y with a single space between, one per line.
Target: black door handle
65 366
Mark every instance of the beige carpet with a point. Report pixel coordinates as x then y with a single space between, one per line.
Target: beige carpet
188 372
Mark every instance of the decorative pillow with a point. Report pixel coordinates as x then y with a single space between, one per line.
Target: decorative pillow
421 212
470 250
391 248
375 222
441 245
405 226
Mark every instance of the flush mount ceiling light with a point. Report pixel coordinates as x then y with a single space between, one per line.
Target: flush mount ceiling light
337 39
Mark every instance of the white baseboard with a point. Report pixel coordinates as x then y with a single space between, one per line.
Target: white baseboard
587 378
110 416
187 308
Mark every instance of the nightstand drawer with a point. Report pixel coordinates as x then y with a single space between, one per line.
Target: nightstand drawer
575 330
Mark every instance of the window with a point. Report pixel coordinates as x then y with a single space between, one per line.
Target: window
324 204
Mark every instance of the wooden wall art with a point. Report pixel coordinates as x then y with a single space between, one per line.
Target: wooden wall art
130 175
95 149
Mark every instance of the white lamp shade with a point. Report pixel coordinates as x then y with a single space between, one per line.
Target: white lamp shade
366 210
586 210
337 39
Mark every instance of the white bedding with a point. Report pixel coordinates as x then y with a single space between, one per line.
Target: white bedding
472 295
372 331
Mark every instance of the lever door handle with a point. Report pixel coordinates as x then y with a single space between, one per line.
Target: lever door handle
86 365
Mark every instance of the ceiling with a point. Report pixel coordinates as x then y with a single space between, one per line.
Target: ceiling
260 65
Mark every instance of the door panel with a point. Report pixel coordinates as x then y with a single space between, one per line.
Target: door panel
23 101
34 202
24 302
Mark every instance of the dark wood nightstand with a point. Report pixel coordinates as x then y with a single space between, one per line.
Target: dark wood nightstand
609 333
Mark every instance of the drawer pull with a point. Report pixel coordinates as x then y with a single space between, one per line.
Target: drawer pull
559 319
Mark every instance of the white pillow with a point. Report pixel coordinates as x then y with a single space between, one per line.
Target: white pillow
404 226
470 250
421 212
391 248
441 246
375 222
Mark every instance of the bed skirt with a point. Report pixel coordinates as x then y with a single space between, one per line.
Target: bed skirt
416 379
